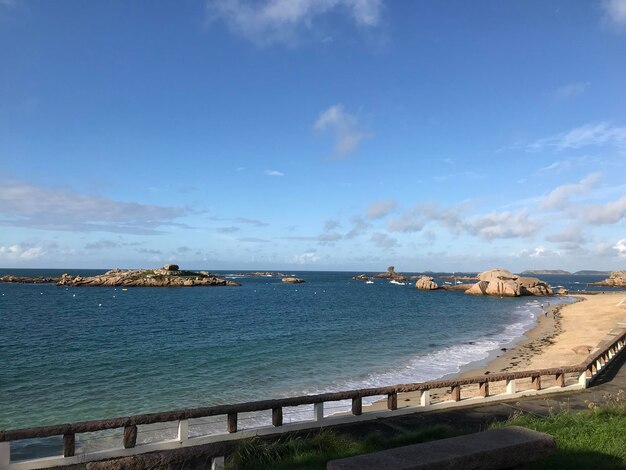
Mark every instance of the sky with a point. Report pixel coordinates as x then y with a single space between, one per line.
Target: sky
313 134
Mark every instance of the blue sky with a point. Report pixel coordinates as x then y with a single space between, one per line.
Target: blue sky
317 134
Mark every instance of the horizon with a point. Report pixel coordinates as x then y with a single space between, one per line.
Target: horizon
426 271
339 136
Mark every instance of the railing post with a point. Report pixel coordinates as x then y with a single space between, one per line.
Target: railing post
582 378
217 463
277 417
425 397
318 411
511 386
232 422
183 430
392 401
5 454
455 393
484 389
357 406
69 445
560 379
130 436
536 382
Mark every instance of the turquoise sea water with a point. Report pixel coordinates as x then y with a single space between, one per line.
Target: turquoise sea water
71 354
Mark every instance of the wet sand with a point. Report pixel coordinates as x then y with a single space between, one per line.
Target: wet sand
562 337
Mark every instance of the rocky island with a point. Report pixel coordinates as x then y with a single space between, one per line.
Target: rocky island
28 280
259 274
167 276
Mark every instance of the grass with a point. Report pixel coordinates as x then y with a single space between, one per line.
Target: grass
595 438
313 451
592 439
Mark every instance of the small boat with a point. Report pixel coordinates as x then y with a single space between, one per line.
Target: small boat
369 281
398 283
124 289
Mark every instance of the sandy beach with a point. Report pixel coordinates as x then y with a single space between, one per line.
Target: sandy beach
564 336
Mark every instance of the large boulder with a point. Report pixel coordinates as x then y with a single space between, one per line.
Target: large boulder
426 283
616 279
480 288
495 274
533 286
503 283
171 267
503 288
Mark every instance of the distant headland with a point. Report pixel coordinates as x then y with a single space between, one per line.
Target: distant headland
541 272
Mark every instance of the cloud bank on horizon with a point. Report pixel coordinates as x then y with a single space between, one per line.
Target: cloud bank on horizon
328 134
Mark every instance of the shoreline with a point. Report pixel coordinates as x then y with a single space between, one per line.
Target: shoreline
564 336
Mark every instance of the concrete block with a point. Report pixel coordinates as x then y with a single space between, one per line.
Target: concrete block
499 448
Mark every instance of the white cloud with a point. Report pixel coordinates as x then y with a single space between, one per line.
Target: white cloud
569 235
329 237
25 205
274 173
615 11
379 209
503 225
571 90
21 252
411 221
230 229
609 213
382 240
331 224
537 252
559 197
101 245
620 247
283 21
345 128
305 258
359 227
601 133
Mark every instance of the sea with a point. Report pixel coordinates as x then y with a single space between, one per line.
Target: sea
69 354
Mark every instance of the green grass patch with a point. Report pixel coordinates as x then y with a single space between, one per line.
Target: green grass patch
586 440
313 451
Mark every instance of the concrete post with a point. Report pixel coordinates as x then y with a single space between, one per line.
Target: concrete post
582 378
217 463
183 430
511 387
5 454
318 411
425 398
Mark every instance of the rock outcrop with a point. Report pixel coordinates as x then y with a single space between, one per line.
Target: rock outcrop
502 283
616 279
426 283
391 274
28 280
361 277
292 280
480 288
164 277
